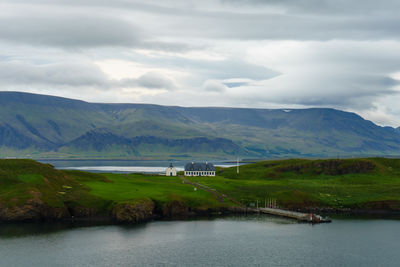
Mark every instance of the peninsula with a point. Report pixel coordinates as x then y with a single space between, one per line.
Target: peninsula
32 191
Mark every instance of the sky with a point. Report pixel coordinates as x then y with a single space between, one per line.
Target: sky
342 54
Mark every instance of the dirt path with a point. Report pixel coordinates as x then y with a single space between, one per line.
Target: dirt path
220 196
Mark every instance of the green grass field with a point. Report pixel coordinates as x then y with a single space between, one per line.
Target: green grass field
161 189
351 183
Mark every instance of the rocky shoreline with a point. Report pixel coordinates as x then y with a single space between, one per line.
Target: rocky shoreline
147 210
35 210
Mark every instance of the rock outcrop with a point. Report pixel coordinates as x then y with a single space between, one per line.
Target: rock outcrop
33 210
175 209
134 212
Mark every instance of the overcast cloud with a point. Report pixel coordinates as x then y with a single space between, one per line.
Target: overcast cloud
238 53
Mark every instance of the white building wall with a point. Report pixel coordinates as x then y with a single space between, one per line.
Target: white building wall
199 173
170 171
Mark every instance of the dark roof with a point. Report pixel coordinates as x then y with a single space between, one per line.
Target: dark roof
194 166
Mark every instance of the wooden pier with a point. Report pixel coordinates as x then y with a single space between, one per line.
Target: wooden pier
304 217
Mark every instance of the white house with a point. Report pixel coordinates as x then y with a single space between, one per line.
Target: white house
170 171
199 169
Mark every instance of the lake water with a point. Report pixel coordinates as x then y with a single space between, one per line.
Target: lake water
230 241
123 166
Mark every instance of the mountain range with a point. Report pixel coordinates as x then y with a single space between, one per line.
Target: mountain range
41 126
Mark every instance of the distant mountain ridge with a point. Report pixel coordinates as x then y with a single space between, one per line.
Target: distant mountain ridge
34 125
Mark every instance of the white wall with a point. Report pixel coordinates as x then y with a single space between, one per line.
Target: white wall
169 170
200 173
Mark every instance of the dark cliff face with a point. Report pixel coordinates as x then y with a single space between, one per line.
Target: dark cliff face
134 212
33 210
40 124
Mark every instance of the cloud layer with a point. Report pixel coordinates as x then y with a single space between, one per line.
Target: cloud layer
241 53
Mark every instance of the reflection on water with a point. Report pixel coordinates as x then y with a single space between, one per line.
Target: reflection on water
228 241
13 230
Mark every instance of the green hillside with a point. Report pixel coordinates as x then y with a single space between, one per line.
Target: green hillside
34 191
372 183
41 126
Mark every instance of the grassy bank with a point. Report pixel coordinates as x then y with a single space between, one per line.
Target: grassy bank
352 183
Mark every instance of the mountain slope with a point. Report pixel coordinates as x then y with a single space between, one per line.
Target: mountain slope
47 126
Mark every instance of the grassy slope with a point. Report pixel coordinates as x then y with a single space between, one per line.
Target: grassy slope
300 183
22 180
161 189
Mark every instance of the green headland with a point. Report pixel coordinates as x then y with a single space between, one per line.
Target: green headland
30 190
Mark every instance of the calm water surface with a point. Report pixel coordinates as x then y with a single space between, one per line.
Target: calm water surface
231 241
123 166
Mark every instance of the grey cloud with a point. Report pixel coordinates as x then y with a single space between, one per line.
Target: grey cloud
168 46
338 90
70 74
68 30
86 28
302 20
155 80
318 6
233 68
289 27
74 75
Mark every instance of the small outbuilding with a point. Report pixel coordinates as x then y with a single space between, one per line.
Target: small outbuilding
199 169
170 171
